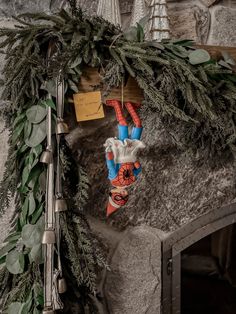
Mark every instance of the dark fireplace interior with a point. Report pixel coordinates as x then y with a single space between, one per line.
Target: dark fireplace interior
208 274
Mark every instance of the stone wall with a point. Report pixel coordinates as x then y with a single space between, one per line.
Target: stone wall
209 22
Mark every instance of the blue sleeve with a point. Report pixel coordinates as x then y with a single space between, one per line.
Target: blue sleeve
112 169
123 132
136 133
137 171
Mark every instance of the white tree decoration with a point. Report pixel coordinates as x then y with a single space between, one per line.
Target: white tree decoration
159 21
139 11
110 11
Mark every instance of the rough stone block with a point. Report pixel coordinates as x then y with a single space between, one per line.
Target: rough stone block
15 7
180 29
223 27
134 283
209 3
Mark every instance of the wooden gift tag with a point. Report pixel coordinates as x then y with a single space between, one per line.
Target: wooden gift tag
88 106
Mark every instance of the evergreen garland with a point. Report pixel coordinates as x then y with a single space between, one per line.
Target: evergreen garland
182 85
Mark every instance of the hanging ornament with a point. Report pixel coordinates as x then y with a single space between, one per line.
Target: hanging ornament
54 283
139 11
159 21
49 236
110 11
121 155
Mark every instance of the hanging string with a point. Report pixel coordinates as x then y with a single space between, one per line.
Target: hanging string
122 92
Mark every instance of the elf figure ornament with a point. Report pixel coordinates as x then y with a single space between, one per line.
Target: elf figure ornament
121 155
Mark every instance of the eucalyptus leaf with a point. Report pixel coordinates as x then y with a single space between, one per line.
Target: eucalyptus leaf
154 44
24 211
225 64
35 162
17 132
37 214
33 177
36 254
32 203
25 175
75 79
73 86
71 71
2 260
50 87
42 181
12 237
22 260
199 56
76 62
30 160
78 72
18 119
179 51
7 248
228 58
140 33
15 308
38 134
27 129
31 235
143 22
15 262
36 114
184 42
37 150
41 223
131 34
49 103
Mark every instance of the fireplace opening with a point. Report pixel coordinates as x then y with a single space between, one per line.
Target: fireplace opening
208 274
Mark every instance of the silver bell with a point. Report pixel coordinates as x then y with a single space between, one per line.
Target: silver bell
49 237
46 157
62 127
48 310
62 286
60 205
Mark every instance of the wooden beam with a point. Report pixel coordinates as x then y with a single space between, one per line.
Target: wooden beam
132 92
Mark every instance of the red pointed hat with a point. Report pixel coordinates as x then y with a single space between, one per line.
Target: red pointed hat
111 207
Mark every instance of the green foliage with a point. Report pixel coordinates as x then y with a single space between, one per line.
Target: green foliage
80 246
15 262
82 195
36 114
9 180
91 41
32 234
199 56
25 295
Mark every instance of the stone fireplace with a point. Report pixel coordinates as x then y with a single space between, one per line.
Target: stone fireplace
208 274
178 201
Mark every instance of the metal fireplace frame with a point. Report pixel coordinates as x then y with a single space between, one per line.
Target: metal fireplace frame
175 243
